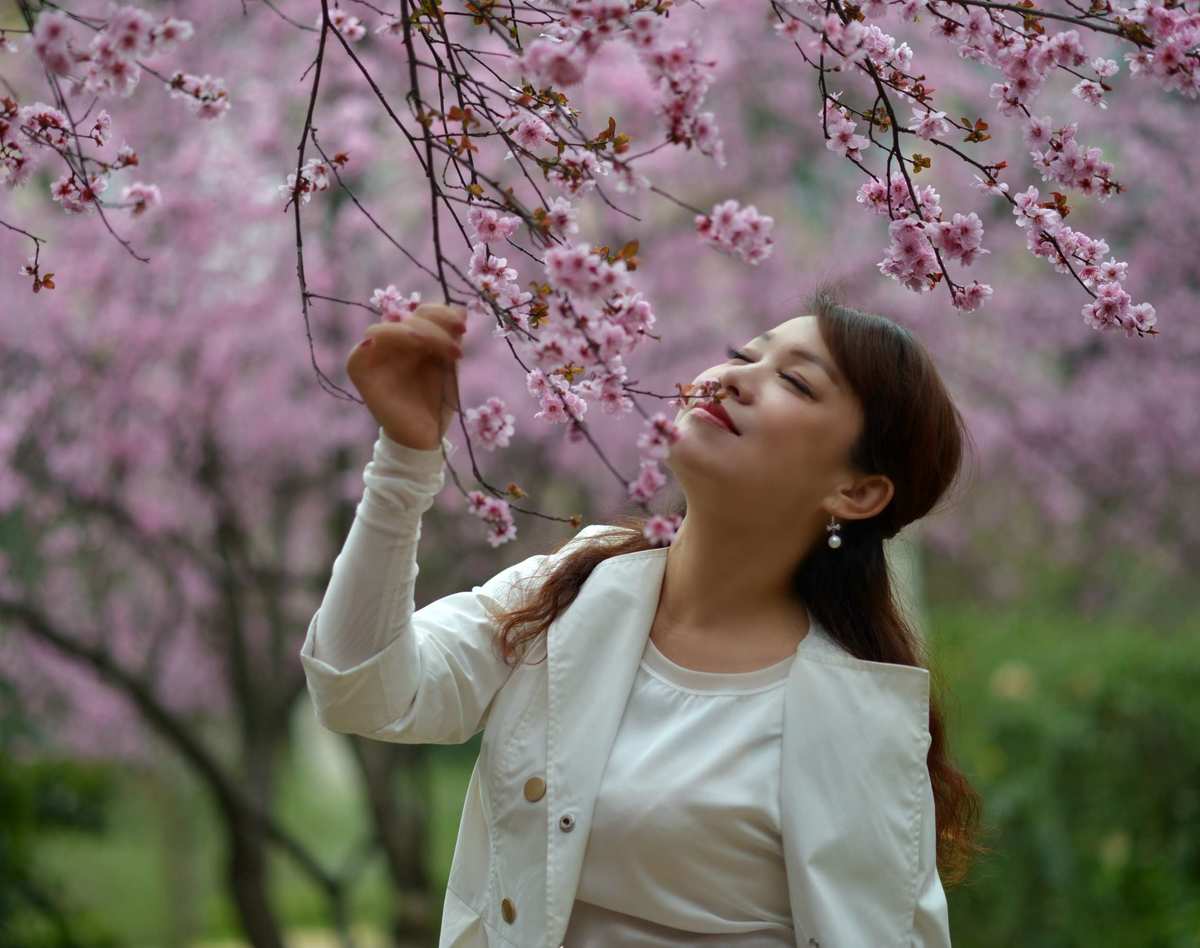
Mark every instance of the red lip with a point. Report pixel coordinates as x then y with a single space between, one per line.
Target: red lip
717 410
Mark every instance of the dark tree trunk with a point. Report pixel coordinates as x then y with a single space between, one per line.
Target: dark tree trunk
246 874
400 816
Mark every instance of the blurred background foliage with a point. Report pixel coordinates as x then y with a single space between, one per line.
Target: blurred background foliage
41 800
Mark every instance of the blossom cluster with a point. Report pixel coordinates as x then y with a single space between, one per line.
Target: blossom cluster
140 196
46 125
48 128
561 55
737 230
1061 159
930 124
1047 236
108 65
40 123
205 95
574 269
392 305
920 240
77 195
661 432
488 224
854 42
1175 33
490 423
917 232
840 131
316 174
661 529
561 217
590 317
578 170
350 26
495 512
529 131
497 282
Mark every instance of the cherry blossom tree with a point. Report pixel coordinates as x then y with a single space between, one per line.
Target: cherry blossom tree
508 74
178 522
504 72
181 489
93 59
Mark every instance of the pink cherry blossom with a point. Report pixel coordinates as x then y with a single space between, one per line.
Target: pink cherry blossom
494 512
970 298
141 196
661 529
660 433
737 230
650 481
491 424
960 238
562 216
392 305
576 270
52 41
930 124
45 126
204 95
1090 91
345 23
489 224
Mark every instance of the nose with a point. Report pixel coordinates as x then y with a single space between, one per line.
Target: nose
728 378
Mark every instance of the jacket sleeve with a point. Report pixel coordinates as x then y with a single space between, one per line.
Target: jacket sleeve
372 664
931 922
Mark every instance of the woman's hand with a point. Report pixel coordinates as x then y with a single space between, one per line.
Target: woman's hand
407 373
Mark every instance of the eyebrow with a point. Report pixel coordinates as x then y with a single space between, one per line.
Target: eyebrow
799 353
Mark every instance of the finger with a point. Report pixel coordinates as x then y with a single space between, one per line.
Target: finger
451 320
406 333
450 389
451 317
454 309
430 337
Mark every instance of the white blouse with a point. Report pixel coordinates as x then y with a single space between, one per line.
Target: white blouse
685 845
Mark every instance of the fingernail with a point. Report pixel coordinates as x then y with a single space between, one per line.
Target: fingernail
365 343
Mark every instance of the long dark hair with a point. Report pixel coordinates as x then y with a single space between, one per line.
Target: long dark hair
914 434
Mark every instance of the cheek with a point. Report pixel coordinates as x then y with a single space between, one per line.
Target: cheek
812 436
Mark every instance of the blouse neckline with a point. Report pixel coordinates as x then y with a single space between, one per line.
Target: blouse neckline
694 680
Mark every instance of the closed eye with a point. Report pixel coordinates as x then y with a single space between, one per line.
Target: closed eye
735 354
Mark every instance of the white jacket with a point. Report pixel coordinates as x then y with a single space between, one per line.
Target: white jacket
857 803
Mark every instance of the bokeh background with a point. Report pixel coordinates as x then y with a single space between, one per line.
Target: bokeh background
175 485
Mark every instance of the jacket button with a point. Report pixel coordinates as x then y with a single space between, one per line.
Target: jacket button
566 822
535 789
508 910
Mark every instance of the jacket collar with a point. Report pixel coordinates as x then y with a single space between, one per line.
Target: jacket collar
860 724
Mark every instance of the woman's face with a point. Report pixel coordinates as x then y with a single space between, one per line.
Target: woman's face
797 418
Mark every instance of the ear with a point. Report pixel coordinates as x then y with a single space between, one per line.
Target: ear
862 498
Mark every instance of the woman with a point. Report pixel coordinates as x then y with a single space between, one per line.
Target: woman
729 740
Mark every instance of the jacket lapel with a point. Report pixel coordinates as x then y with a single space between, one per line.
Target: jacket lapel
593 652
855 738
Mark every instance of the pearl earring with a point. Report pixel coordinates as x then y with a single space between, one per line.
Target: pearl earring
835 539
